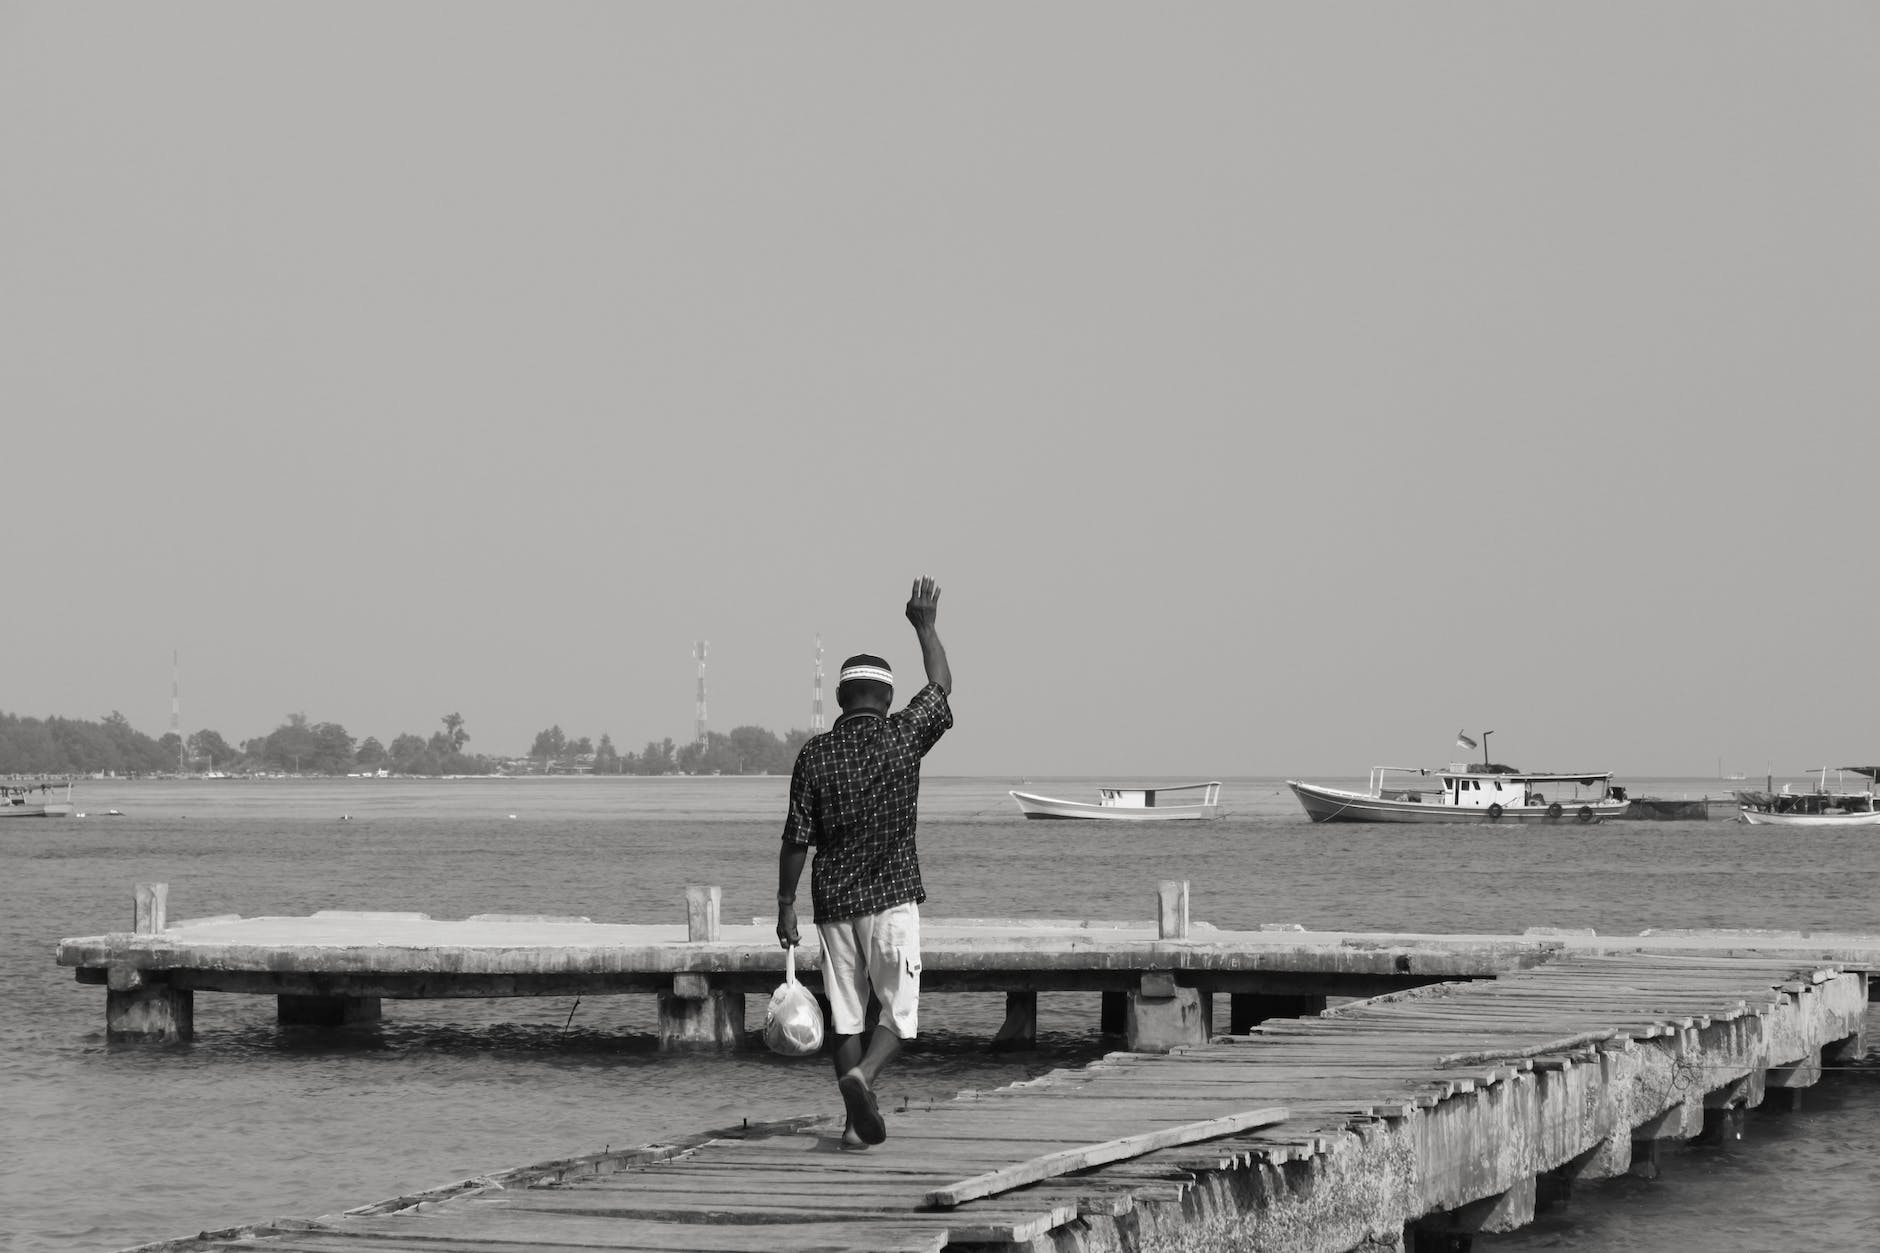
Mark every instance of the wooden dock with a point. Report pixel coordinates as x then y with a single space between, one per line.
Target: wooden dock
1422 1115
1474 1078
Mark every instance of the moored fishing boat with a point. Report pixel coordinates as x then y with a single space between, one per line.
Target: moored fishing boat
1823 807
16 801
1128 803
1461 794
1488 793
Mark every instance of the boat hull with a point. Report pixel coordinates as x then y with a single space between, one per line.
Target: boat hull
1033 806
51 809
1761 818
1324 804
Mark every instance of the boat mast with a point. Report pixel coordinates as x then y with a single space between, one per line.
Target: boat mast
176 715
816 726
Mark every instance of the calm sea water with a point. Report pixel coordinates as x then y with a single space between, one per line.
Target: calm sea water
106 1147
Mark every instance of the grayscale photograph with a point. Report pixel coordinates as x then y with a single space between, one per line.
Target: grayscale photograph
825 627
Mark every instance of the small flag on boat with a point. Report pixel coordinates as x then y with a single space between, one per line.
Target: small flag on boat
1463 741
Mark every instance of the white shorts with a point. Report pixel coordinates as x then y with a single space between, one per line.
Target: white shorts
879 952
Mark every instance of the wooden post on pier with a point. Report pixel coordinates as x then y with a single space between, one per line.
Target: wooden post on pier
1163 1015
141 1005
696 1015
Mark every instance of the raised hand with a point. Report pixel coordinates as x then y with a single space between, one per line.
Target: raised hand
923 603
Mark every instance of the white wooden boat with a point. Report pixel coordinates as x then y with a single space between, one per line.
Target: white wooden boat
1147 803
1854 818
1463 794
1823 807
16 801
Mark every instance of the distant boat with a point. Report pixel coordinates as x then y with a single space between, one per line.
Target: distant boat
1823 807
16 802
1844 818
1128 804
1461 794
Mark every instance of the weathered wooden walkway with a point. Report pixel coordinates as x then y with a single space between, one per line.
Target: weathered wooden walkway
1448 1108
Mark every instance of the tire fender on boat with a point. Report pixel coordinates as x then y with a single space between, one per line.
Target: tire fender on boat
1586 813
1494 812
1553 810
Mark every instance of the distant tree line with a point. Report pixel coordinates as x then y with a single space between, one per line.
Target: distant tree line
61 746
302 747
75 746
745 750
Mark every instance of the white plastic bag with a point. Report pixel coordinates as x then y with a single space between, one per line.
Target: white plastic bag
793 1025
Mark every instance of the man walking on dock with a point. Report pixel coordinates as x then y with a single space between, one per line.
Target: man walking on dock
854 794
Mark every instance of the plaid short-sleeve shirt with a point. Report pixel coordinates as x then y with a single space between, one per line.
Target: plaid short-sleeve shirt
855 795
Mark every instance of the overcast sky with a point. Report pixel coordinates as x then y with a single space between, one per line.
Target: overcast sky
1272 389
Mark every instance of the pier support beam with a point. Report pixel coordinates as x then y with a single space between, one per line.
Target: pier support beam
1724 1108
1164 1016
696 1015
1161 1015
145 1008
1455 1229
141 1005
712 1023
1682 1121
1019 1031
1786 1083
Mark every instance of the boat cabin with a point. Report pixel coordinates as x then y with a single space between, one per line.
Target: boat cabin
1144 797
1470 789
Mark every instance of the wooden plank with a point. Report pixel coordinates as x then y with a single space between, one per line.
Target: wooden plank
991 1223
457 1233
1053 1164
831 1205
962 1144
904 1191
871 1164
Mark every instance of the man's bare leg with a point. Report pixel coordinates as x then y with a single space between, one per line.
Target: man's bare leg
850 1057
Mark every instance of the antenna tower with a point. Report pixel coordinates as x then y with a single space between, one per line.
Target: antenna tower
816 726
176 714
698 724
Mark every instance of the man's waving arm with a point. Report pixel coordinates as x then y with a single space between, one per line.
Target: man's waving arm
923 607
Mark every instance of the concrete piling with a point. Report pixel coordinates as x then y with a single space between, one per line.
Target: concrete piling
142 1006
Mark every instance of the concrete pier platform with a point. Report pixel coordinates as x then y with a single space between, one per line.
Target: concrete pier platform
1159 976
